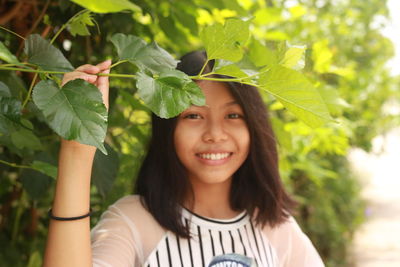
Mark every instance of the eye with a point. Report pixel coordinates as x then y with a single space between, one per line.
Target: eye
234 116
192 116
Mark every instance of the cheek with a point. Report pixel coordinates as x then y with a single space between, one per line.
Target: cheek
245 144
182 140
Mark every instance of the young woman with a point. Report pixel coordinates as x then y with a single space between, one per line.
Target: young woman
208 192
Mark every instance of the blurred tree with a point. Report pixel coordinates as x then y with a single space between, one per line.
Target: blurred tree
344 58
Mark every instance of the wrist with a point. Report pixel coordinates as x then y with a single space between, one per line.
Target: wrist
76 146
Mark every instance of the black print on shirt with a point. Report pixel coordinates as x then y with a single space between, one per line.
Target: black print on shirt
232 260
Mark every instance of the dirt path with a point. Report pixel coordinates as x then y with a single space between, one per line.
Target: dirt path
377 243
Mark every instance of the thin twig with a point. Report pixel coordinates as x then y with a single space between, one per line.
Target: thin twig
11 164
10 31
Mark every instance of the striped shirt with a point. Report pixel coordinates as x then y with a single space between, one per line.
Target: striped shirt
211 238
127 235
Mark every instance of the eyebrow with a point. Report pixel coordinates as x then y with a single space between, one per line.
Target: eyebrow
234 102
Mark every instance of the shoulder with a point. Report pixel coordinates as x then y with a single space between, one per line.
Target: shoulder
131 208
286 230
127 203
292 246
128 222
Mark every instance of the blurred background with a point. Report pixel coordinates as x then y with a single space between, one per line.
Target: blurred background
345 175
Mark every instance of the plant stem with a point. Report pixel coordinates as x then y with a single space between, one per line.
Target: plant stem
215 79
117 75
66 24
16 165
118 62
29 91
2 67
202 69
10 31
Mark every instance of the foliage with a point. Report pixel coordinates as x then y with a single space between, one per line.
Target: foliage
341 46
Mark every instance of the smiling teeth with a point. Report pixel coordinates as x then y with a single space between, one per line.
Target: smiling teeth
216 156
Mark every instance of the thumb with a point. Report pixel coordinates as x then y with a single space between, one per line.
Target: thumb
103 81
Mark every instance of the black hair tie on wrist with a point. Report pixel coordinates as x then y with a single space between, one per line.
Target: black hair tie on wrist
50 213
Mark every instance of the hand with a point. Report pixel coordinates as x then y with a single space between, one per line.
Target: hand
88 73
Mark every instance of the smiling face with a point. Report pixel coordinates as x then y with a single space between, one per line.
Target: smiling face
212 141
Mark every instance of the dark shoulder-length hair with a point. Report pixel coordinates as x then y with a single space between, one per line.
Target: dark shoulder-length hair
256 185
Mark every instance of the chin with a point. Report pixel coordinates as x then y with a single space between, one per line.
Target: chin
214 179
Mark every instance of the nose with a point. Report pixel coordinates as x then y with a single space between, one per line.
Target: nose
214 132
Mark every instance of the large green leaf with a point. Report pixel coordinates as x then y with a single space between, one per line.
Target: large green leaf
105 169
262 55
43 54
146 56
297 94
6 55
225 41
170 93
106 6
75 112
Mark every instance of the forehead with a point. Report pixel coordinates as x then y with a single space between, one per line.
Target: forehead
216 93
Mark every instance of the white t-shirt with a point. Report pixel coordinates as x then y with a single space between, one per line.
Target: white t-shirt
128 235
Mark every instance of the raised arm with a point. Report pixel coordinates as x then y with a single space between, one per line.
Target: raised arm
68 242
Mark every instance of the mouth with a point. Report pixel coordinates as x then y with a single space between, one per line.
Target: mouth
214 156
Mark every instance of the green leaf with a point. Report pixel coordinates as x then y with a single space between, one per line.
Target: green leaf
169 94
23 138
6 55
105 169
45 168
229 69
4 90
14 82
79 25
127 46
146 56
225 42
335 103
262 55
10 110
106 6
297 94
43 54
294 57
75 112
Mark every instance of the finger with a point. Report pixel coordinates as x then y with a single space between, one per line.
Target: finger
103 85
102 81
89 69
79 75
104 65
